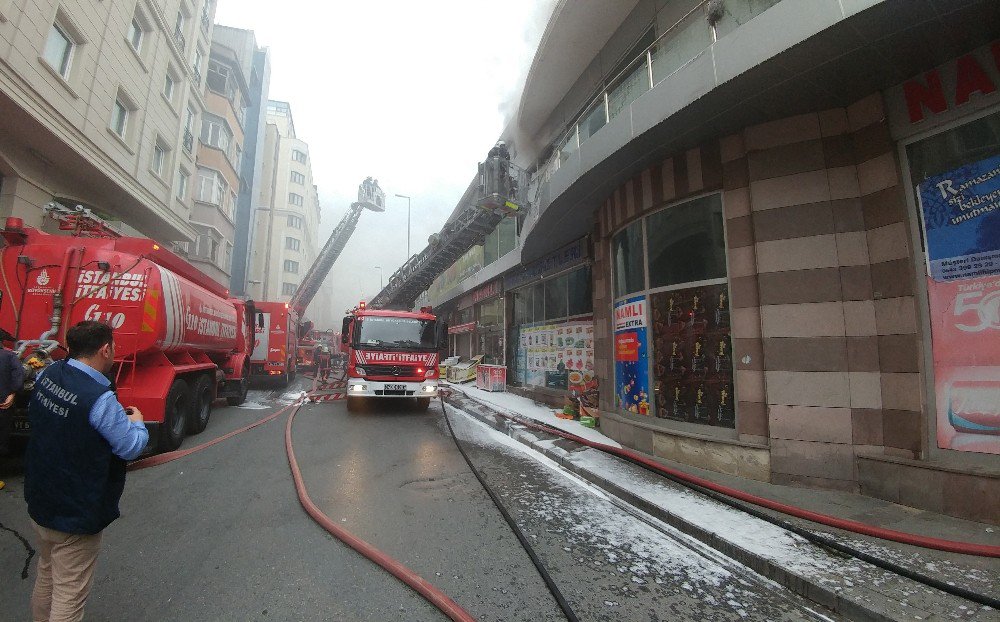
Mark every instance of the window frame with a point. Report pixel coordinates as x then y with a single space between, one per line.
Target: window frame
136 34
293 244
66 60
120 114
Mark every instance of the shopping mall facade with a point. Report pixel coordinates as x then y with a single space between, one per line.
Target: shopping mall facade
765 231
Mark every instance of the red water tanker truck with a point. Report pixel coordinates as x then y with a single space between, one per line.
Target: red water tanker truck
180 341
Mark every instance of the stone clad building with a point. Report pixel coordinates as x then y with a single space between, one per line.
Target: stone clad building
791 216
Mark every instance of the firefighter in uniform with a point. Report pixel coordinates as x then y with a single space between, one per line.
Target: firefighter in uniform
75 468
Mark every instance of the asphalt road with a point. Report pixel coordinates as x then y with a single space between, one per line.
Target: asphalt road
220 534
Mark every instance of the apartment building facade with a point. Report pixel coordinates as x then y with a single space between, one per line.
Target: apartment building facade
99 107
221 139
786 211
286 222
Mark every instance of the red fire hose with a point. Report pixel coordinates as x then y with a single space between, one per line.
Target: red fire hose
951 546
432 594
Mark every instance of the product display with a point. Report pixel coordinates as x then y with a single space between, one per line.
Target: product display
692 356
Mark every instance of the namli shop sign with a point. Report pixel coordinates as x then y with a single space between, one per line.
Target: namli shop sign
945 92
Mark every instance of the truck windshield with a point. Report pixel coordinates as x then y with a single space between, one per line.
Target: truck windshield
397 333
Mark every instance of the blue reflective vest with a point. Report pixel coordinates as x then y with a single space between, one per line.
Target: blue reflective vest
73 481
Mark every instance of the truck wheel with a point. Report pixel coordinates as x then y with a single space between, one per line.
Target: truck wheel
353 404
175 414
202 396
423 403
239 398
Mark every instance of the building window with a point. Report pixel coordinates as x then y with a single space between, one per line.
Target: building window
208 247
296 199
299 156
237 156
212 187
159 158
196 67
119 117
135 34
687 243
684 312
189 121
291 266
292 244
59 50
182 184
168 87
288 289
294 222
215 132
227 260
626 259
298 178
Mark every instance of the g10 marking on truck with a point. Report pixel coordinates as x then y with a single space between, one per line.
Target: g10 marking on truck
115 320
100 285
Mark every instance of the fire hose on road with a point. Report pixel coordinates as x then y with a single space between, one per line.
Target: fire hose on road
423 587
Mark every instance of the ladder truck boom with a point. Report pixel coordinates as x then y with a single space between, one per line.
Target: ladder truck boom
370 197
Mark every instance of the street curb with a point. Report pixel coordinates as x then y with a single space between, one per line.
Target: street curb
859 607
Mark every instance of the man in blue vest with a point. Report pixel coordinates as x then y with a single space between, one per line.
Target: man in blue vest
75 468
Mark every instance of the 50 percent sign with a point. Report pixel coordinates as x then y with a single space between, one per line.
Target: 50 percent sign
986 307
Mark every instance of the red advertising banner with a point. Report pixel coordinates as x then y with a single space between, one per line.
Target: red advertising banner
627 347
965 326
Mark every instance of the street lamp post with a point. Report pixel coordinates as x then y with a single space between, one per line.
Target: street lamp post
403 196
379 268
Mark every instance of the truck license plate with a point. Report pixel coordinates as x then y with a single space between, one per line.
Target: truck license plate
395 387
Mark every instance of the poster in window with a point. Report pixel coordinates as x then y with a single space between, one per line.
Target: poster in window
960 211
692 356
631 358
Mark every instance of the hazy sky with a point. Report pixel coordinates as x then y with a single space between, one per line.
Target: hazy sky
411 93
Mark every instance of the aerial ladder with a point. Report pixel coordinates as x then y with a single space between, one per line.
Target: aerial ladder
499 191
370 197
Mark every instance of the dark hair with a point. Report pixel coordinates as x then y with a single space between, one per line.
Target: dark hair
87 337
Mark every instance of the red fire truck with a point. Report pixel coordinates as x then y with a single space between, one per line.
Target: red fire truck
180 341
276 342
392 354
276 351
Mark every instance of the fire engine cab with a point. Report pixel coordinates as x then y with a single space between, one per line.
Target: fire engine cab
392 354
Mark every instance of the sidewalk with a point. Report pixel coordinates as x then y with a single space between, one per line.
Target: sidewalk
851 587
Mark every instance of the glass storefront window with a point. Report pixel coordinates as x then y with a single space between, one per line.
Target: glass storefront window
626 255
522 306
974 141
556 298
581 299
692 364
538 302
687 243
491 313
688 371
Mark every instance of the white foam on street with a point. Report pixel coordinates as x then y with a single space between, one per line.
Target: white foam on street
253 406
630 553
527 408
